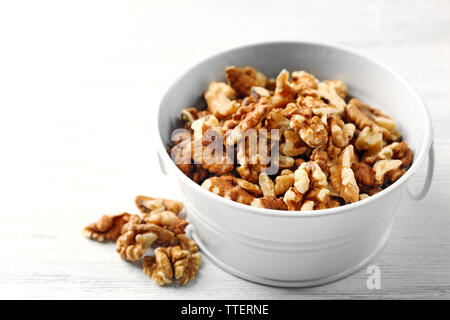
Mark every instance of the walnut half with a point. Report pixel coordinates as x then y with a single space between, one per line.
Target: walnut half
137 237
342 176
181 261
148 204
106 228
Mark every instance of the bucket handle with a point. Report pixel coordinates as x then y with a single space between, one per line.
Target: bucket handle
429 177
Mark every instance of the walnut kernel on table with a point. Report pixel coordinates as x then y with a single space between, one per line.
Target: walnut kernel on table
166 219
137 238
336 148
181 261
106 228
159 227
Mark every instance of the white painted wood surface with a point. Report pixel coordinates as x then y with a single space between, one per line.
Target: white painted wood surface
80 83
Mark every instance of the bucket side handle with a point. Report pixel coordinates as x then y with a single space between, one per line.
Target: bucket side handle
426 187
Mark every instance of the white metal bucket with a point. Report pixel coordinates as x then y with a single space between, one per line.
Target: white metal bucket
298 248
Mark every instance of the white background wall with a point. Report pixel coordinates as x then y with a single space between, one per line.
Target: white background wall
79 85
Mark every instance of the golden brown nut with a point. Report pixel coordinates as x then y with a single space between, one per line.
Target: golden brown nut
186 266
138 226
312 105
308 176
363 196
148 204
194 171
259 92
284 162
213 160
181 261
132 245
187 244
298 108
106 228
219 98
360 114
393 176
341 133
342 176
250 120
180 227
383 167
181 148
271 84
208 149
228 187
293 108
312 101
364 174
275 119
189 115
251 160
372 190
284 181
240 114
181 154
405 154
293 199
303 82
298 163
166 219
248 186
312 131
158 267
137 238
250 172
316 199
322 159
200 128
315 124
369 140
365 116
311 186
293 145
266 184
243 79
308 104
270 202
395 150
284 92
332 151
334 92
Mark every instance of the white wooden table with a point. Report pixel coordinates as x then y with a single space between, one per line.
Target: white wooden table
80 83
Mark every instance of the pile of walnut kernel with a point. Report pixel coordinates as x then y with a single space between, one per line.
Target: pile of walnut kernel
159 226
333 150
